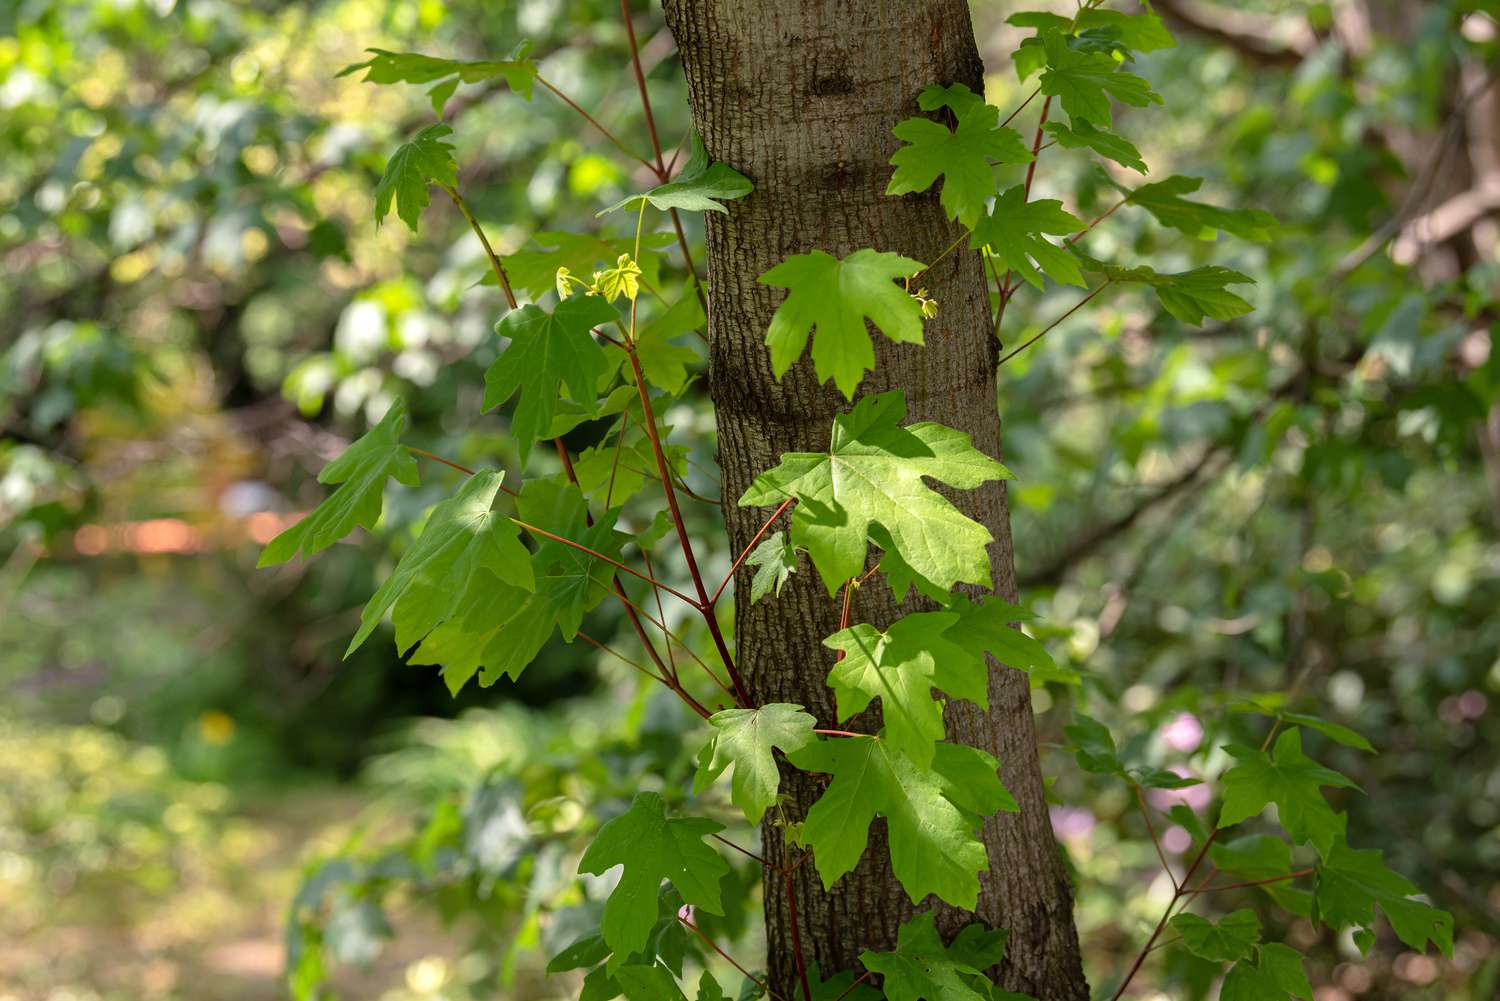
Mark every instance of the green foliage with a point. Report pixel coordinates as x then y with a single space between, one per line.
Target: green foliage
1165 201
869 487
424 160
1013 232
830 299
546 352
745 739
650 847
1085 81
1352 883
1224 941
774 560
360 474
384 67
1082 135
702 186
1292 781
961 156
922 967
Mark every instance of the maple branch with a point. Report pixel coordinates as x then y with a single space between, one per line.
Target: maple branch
844 733
1255 882
592 121
534 530
747 852
484 241
850 989
1021 107
730 959
791 912
1048 328
611 650
1036 149
1140 798
750 546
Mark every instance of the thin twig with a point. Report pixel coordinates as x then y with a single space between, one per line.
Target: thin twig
1047 329
594 122
750 547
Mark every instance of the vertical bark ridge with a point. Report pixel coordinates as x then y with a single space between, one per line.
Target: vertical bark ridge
801 95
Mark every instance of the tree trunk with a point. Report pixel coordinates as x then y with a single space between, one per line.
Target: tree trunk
801 95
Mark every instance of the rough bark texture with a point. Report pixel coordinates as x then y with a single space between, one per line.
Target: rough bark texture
801 95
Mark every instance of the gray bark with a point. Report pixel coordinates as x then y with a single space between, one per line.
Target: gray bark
800 95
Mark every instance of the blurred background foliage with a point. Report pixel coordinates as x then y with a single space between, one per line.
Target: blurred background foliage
197 311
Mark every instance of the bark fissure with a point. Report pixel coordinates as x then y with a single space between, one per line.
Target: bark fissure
800 95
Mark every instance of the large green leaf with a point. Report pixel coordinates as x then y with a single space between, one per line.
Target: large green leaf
1292 781
360 473
1013 231
830 299
385 67
922 967
546 352
961 156
1085 81
1164 200
933 840
1232 937
424 159
745 738
1188 295
1353 882
873 477
652 847
464 545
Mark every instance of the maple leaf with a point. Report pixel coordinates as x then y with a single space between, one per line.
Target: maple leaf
1188 295
463 545
360 474
385 67
933 842
1164 200
1224 941
922 967
1013 231
424 159
745 739
547 351
1353 882
774 560
961 156
872 477
702 186
831 298
1082 135
652 847
1292 781
1084 81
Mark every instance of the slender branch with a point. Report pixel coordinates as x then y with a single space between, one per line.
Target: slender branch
534 530
484 241
850 989
1021 107
1140 798
661 614
791 911
611 650
1047 329
749 547
844 733
730 959
1097 220
1036 149
747 853
614 466
1255 882
594 122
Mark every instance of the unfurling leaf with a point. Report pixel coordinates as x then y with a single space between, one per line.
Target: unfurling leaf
870 487
546 352
425 159
831 298
652 847
360 474
744 739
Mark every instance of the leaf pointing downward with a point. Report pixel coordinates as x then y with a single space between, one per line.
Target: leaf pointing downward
426 158
744 738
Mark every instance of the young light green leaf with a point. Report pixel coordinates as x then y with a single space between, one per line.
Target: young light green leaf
961 157
1224 941
932 841
426 158
1353 882
922 967
533 269
900 667
873 475
831 298
1013 229
702 186
547 351
385 67
360 474
1292 781
502 628
651 848
1082 135
744 739
462 545
774 560
1084 81
1164 200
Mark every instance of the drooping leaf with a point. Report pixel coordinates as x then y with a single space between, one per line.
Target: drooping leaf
922 967
873 475
702 186
1333 731
1082 135
360 474
745 738
422 160
502 628
648 983
1013 231
1188 295
1085 81
464 545
1353 882
1292 781
546 352
384 67
774 560
933 844
1283 965
830 298
961 156
652 847
1165 201
1224 941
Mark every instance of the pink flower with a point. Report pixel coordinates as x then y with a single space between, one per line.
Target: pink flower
1184 733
